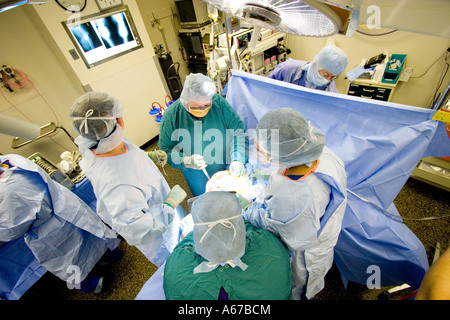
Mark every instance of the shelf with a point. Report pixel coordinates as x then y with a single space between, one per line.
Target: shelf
434 171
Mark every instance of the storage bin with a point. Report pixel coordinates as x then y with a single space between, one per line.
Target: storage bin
393 68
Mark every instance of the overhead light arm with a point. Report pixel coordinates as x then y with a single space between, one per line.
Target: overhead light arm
307 17
16 3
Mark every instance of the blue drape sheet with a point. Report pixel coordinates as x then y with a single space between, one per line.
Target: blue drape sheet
380 144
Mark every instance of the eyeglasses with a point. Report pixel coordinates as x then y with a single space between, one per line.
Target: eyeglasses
327 75
198 106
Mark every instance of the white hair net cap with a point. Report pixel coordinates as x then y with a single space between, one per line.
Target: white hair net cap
197 87
94 115
219 230
288 138
333 59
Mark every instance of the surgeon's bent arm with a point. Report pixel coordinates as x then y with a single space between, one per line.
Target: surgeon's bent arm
134 220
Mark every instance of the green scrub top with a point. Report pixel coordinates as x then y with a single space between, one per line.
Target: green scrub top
219 137
267 277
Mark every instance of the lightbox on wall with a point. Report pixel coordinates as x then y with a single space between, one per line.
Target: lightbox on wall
103 36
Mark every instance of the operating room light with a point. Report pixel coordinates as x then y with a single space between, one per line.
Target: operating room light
8 5
307 17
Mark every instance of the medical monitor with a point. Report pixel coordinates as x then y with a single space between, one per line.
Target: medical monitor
242 38
103 36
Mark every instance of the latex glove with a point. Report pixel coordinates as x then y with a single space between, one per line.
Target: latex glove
158 156
261 174
195 161
176 196
243 202
237 168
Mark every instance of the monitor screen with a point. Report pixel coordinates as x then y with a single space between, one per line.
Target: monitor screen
102 37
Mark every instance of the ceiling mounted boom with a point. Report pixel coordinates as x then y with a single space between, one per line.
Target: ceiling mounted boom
307 17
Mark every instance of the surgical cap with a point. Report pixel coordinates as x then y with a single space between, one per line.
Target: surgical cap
197 87
333 59
94 115
288 138
219 230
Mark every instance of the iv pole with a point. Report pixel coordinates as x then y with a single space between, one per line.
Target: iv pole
213 73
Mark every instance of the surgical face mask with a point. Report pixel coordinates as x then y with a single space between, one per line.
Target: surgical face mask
110 142
317 80
198 110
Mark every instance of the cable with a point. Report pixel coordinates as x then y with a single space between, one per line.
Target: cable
9 72
443 74
446 52
397 217
22 85
377 35
48 104
170 100
15 107
29 119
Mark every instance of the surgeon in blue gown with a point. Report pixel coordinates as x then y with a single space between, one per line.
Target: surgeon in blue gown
305 198
133 197
202 131
65 236
319 74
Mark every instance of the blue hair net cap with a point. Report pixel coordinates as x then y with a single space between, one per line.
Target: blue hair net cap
94 114
197 87
333 59
288 138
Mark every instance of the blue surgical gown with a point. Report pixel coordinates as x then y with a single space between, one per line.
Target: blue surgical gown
219 137
291 71
57 226
307 215
131 192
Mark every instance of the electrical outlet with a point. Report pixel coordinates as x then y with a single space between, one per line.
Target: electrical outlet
74 54
405 74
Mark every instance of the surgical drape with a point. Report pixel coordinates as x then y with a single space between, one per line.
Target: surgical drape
380 144
59 228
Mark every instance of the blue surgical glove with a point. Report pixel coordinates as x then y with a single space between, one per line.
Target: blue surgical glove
237 168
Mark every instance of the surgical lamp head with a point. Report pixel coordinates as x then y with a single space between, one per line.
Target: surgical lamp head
284 136
94 115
